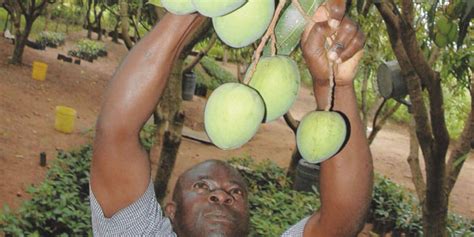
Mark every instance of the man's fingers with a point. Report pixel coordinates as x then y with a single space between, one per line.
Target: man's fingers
345 33
354 46
316 37
314 47
336 11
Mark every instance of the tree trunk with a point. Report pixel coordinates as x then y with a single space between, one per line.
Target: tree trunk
431 130
171 126
124 22
435 208
20 42
363 95
47 17
296 155
87 22
171 113
115 33
98 20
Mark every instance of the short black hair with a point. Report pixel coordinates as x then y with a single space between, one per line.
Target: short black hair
178 188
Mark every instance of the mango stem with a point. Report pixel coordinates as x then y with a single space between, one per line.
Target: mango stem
266 36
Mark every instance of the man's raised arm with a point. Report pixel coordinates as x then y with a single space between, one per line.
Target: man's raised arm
346 179
120 171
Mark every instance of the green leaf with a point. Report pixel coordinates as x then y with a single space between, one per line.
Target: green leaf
290 26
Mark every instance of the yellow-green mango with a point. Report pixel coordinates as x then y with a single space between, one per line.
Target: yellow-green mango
320 135
179 7
277 79
246 24
213 8
232 115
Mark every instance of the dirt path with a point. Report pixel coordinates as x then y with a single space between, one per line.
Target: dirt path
27 126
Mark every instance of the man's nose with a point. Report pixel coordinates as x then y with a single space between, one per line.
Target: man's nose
221 197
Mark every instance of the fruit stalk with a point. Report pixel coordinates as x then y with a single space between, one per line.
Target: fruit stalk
264 40
331 85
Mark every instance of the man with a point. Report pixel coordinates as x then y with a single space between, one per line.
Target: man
210 199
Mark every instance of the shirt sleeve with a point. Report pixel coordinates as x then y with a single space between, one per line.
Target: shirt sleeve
297 229
144 217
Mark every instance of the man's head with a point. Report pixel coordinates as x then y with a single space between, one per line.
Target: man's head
210 199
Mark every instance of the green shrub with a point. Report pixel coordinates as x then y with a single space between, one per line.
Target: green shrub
274 206
51 39
58 206
88 50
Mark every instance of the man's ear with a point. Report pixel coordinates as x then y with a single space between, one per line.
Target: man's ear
170 210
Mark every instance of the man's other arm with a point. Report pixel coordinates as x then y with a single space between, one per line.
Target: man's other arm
120 170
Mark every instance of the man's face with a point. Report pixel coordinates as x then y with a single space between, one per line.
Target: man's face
213 202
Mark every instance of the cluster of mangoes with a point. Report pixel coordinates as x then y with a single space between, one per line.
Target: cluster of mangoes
234 111
446 31
238 23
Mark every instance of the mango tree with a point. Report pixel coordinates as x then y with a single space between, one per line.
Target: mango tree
30 10
422 58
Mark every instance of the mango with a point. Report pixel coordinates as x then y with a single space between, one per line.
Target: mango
444 25
441 40
179 7
245 25
453 33
320 135
213 8
232 115
277 79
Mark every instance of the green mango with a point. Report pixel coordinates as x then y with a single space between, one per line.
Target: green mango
232 115
320 135
178 7
277 79
213 8
441 40
443 25
245 25
453 33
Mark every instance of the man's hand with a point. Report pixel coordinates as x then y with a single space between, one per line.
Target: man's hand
345 179
333 37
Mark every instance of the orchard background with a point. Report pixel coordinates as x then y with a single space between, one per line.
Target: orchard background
27 106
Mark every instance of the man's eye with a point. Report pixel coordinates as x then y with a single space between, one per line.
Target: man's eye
236 191
201 185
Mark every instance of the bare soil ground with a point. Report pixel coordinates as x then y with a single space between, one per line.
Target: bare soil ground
27 112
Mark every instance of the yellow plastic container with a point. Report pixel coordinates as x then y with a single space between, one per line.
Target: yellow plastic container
39 70
65 118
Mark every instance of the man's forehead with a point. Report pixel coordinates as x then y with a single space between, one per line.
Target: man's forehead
213 170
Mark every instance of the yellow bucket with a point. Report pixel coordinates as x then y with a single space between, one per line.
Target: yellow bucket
39 70
65 118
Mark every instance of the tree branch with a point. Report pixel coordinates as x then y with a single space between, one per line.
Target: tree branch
463 147
291 122
201 54
376 127
428 75
414 163
423 129
408 11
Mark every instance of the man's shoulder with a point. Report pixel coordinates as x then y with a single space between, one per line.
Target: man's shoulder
297 229
143 217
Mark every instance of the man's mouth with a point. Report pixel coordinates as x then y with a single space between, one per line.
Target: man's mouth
218 216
